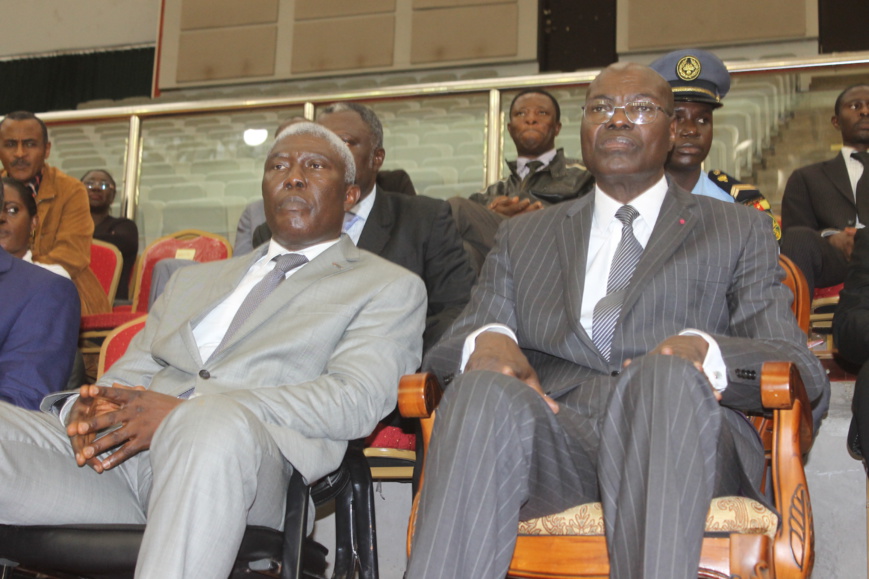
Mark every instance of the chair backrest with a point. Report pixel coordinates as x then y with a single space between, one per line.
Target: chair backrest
796 281
106 263
115 344
191 244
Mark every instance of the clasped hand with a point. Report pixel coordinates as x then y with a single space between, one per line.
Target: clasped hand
511 206
133 413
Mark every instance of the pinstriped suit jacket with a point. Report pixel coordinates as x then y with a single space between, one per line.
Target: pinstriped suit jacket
318 361
708 265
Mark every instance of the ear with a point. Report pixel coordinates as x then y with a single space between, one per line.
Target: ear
834 120
672 133
378 158
557 128
351 196
47 149
34 223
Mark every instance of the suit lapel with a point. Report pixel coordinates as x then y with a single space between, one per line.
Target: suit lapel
213 294
837 171
675 221
572 242
335 260
375 233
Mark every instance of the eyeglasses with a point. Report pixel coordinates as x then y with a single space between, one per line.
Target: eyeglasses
98 185
639 113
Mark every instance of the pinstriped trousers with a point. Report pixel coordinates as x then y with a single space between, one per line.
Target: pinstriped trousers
655 457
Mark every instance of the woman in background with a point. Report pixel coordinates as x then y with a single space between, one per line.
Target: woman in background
119 231
18 222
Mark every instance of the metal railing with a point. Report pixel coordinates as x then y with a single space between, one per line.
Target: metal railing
493 87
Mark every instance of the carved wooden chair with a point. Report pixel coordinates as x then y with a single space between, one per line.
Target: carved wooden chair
742 539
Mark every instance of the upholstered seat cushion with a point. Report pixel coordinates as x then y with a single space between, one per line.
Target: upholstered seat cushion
726 515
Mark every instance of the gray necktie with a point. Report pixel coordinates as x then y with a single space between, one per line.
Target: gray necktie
283 264
861 193
606 311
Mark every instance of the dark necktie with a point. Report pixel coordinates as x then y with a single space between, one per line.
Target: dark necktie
606 311
861 194
533 167
283 264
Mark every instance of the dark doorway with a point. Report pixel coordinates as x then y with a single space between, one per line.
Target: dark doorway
842 25
576 34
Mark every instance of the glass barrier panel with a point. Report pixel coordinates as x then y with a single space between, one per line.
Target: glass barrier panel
439 141
201 171
79 148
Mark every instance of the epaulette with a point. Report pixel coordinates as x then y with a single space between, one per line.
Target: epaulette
745 194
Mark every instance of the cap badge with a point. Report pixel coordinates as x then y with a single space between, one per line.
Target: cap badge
688 67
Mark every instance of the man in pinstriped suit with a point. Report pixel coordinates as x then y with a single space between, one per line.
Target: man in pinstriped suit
653 430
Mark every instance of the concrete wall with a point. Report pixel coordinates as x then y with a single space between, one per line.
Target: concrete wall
40 26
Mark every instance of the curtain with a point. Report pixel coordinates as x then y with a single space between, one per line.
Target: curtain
61 82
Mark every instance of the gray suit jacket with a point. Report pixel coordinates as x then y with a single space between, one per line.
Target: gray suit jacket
318 362
708 265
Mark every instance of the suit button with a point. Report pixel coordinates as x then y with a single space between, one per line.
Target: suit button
204 374
615 373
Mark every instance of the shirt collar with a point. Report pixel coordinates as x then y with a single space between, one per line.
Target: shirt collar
275 249
648 205
545 158
363 207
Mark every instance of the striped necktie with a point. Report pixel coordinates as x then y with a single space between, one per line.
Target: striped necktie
606 311
861 193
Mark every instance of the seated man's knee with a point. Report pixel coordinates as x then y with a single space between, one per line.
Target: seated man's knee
214 422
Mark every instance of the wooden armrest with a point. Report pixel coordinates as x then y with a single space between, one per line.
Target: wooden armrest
418 395
781 388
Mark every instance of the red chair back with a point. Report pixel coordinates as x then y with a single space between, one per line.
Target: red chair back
116 343
106 263
190 244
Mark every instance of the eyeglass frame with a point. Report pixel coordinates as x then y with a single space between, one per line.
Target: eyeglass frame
624 108
92 185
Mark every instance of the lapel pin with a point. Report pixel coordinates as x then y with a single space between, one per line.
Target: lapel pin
681 222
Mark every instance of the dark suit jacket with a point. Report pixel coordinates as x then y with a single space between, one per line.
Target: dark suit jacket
419 234
851 320
39 322
708 265
819 196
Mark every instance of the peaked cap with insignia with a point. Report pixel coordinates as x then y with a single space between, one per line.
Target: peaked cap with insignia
695 75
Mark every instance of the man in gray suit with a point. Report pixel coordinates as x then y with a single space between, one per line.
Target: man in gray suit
229 387
557 407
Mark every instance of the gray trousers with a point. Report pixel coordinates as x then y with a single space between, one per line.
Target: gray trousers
655 457
212 469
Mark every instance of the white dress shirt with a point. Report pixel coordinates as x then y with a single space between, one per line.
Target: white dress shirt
210 331
361 210
855 171
52 267
522 162
604 238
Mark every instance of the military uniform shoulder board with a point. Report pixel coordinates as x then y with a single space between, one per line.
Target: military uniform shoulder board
745 194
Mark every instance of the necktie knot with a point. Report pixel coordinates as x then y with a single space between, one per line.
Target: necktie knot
626 214
288 261
533 166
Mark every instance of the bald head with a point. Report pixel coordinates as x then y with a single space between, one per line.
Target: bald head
627 156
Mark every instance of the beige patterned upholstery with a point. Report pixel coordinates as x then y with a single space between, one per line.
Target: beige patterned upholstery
726 515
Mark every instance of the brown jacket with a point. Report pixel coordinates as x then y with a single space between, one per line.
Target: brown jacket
64 235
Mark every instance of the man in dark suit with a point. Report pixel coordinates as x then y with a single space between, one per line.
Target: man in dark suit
540 176
38 328
851 333
414 232
820 208
611 343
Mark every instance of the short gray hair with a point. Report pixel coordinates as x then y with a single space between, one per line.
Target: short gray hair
335 143
368 117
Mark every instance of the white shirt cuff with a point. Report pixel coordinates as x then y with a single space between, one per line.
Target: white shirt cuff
471 340
65 409
713 363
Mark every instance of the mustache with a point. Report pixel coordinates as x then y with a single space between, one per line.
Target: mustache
20 163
